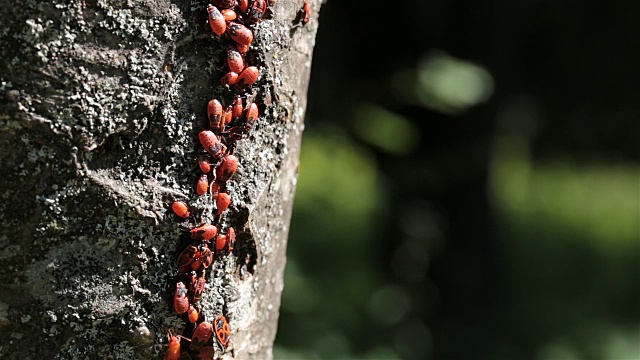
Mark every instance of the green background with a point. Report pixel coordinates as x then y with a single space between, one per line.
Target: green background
469 184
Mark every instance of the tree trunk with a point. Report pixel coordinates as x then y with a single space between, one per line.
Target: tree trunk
102 103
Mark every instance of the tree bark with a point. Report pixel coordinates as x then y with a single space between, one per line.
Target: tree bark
102 103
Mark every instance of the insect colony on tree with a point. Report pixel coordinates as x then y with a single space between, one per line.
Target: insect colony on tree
235 19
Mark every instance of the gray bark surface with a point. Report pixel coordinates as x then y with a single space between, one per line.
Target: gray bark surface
101 105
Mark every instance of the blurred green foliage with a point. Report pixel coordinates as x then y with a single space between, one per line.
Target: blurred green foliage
571 233
481 202
337 199
598 203
385 130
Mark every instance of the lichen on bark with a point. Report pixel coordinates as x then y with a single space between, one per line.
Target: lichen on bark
102 102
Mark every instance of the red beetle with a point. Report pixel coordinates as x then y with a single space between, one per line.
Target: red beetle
199 288
258 7
214 190
229 15
204 164
231 239
192 314
206 353
234 60
205 232
192 280
201 335
180 300
226 242
230 78
212 144
180 208
228 114
221 242
207 256
240 33
220 126
216 20
195 265
173 350
247 77
243 48
243 5
252 117
203 185
225 4
187 255
238 108
227 168
214 112
222 202
306 13
235 133
223 330
252 114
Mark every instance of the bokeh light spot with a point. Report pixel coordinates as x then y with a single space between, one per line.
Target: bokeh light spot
386 130
389 304
451 85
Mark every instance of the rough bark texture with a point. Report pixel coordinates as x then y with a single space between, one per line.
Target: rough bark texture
102 103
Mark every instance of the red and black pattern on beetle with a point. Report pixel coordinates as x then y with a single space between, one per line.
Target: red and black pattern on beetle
213 145
204 232
216 20
247 77
239 33
214 190
227 116
199 287
222 330
201 335
225 4
226 242
228 166
251 118
238 107
193 278
187 256
234 60
214 112
256 12
206 256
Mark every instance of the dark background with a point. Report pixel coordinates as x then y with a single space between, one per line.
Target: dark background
469 184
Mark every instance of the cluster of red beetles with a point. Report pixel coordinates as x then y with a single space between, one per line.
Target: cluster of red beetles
218 164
